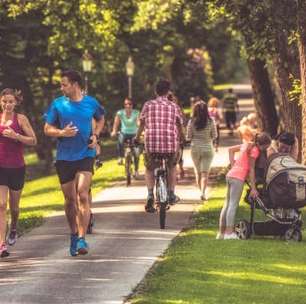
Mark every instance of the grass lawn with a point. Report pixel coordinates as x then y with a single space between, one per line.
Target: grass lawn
42 195
197 268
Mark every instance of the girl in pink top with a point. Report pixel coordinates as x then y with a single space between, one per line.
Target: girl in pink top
241 168
15 131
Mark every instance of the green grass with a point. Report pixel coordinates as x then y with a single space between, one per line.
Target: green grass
197 268
222 87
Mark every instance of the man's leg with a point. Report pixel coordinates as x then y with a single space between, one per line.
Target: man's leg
83 215
172 161
69 191
149 175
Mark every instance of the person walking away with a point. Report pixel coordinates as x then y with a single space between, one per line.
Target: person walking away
241 168
127 119
230 106
162 122
214 113
75 151
15 132
202 132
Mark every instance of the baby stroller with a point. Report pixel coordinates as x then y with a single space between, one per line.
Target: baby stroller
281 195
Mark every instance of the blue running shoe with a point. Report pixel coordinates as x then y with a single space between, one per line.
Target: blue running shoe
82 246
73 244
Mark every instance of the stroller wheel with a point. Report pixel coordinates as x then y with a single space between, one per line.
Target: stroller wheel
293 235
243 230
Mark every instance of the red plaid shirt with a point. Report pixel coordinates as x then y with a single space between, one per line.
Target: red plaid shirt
160 117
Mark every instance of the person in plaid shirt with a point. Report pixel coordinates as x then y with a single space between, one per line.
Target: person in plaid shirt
162 121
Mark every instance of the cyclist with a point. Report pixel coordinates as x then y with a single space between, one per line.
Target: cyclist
75 155
127 119
162 121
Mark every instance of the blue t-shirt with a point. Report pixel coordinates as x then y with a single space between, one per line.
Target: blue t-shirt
61 112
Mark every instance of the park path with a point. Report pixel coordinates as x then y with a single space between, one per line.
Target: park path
125 244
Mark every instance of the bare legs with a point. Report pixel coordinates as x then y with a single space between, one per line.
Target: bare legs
201 180
77 202
149 174
4 190
14 207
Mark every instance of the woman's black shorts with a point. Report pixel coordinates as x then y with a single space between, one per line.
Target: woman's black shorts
67 170
12 178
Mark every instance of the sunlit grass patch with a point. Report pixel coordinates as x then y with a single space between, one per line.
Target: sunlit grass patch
197 268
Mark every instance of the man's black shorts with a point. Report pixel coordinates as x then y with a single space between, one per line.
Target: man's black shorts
67 170
12 178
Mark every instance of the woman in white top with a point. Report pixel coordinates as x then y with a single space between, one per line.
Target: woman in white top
201 130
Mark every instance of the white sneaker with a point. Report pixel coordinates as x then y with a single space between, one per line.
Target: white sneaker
220 236
231 236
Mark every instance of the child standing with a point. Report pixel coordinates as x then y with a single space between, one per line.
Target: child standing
241 167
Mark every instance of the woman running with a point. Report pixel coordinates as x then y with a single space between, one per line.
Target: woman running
15 132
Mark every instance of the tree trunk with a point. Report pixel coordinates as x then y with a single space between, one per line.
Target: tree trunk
285 65
302 54
263 95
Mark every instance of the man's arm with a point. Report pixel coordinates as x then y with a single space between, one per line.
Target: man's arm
99 125
69 131
97 129
140 129
181 131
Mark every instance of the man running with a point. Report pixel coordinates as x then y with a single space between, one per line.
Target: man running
69 119
162 121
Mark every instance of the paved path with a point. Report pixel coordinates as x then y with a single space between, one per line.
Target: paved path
125 244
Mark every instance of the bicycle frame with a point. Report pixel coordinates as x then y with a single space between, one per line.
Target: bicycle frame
161 176
129 156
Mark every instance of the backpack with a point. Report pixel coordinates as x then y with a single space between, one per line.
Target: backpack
286 182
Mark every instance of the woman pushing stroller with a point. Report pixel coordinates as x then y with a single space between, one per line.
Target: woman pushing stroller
241 167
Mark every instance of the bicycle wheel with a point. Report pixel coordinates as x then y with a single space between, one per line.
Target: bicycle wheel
161 189
128 169
162 215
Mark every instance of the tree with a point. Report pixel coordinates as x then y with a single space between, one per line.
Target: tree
301 25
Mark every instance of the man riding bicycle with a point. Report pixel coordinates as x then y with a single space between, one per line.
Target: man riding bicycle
162 121
127 119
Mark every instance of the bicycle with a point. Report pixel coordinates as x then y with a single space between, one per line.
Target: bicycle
161 187
129 158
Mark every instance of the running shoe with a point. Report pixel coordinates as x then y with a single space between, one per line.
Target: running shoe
12 237
82 246
3 251
73 244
